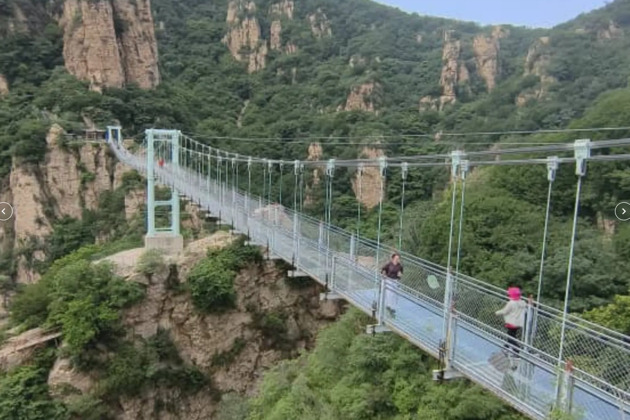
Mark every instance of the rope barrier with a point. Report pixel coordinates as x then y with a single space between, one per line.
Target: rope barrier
412 161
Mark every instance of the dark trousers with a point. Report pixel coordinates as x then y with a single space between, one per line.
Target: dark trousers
512 341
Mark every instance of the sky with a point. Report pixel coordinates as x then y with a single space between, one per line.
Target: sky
533 13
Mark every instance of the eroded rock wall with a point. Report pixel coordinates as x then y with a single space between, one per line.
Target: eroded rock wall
487 49
65 183
110 43
202 340
244 36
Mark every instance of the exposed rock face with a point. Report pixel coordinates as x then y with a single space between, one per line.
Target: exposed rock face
367 185
4 85
286 8
487 50
55 188
536 63
64 375
315 153
147 407
453 74
19 349
428 103
96 49
244 39
612 32
320 25
200 339
275 41
450 70
279 11
138 45
606 225
134 200
357 60
361 98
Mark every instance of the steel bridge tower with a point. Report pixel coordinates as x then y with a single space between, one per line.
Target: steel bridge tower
163 149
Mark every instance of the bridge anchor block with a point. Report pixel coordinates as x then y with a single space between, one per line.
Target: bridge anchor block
296 274
446 374
377 329
330 296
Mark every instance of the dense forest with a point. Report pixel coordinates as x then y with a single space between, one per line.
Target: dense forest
348 75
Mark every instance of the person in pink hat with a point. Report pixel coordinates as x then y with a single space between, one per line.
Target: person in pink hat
514 316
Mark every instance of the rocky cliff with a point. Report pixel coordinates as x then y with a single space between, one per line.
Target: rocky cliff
454 72
69 180
110 43
274 319
367 183
536 64
487 49
320 24
244 38
362 98
278 12
4 86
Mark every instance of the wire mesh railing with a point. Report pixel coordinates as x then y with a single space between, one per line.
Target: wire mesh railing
349 265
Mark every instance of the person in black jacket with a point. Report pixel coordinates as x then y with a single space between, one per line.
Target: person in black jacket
393 270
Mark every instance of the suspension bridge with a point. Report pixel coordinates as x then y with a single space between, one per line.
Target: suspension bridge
566 363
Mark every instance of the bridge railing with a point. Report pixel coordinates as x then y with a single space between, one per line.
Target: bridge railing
601 357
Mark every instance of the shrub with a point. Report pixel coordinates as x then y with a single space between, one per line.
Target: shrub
30 306
87 407
211 281
24 392
212 286
151 262
86 302
152 362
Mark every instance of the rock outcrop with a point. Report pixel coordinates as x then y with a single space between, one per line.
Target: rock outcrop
486 49
4 85
134 201
149 405
536 64
453 74
278 12
367 184
613 31
315 153
320 25
110 43
244 37
64 375
64 184
138 45
19 349
450 68
233 347
361 98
